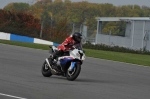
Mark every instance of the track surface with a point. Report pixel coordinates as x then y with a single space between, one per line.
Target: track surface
20 76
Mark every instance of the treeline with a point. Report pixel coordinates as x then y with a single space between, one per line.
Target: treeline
23 23
19 23
62 15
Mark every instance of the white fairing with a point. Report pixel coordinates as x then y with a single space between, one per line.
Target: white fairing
76 54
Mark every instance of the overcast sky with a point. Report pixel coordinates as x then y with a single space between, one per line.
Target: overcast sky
114 2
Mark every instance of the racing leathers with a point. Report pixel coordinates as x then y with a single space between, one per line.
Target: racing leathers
67 45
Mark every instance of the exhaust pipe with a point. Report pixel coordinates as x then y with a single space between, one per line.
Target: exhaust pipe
50 66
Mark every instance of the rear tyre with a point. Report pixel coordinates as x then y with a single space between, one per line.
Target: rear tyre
72 75
46 71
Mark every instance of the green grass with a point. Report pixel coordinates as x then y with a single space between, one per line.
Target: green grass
116 56
30 45
121 57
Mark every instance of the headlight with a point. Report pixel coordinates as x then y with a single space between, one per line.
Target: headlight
83 58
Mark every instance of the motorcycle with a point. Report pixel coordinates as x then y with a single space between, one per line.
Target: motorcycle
69 64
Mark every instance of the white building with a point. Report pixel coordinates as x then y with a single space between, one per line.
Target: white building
137 33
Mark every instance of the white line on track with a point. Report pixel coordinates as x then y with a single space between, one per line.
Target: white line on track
11 96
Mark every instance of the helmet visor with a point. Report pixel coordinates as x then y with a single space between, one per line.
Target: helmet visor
79 39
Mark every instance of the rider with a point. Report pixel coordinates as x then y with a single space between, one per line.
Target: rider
73 40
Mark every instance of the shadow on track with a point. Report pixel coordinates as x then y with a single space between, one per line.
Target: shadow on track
89 80
85 80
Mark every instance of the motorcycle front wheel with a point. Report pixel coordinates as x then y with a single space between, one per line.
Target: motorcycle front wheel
72 75
46 71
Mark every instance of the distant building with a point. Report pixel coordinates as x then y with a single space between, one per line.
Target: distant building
137 33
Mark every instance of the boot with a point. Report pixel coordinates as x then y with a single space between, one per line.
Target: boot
53 63
50 60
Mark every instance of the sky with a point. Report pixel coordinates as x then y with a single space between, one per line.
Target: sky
3 3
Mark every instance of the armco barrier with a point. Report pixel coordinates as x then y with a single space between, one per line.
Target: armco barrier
39 41
55 44
4 36
14 37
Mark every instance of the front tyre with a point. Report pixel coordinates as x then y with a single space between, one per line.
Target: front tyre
46 72
72 75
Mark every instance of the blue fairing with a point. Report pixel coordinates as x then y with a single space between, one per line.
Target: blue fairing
65 60
72 66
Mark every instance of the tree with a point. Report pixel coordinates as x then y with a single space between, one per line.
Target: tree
57 1
67 1
17 7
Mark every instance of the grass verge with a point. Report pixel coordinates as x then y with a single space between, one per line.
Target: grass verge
29 45
116 56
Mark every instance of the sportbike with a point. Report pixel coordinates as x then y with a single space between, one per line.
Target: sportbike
68 65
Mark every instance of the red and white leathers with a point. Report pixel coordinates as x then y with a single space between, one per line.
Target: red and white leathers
68 44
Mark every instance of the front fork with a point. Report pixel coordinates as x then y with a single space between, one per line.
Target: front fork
72 66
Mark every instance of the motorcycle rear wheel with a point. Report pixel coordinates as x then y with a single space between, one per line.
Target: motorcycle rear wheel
46 71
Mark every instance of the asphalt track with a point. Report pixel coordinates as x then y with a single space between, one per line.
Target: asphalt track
21 78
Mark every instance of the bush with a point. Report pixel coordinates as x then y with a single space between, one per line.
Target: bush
114 48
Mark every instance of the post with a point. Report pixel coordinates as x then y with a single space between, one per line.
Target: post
73 28
109 37
81 28
132 34
51 20
99 30
143 35
41 29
